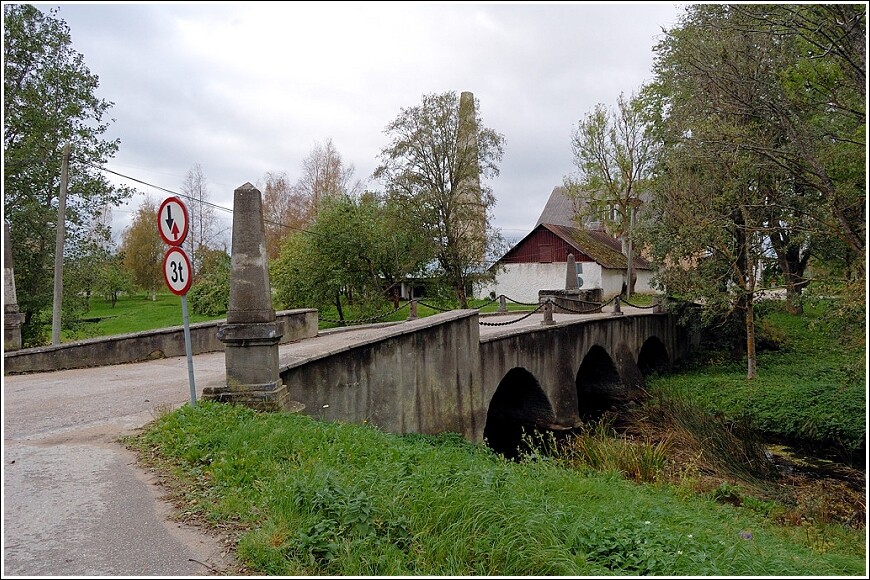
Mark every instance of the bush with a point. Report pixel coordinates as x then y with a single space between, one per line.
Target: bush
210 294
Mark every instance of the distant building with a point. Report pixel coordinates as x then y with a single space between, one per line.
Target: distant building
539 260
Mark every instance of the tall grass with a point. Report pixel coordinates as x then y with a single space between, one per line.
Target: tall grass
811 389
309 498
600 447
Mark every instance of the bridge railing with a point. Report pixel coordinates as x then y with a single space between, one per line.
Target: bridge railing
582 307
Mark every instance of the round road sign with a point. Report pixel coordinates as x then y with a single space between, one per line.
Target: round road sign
172 222
177 271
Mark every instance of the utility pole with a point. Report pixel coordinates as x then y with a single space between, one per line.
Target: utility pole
58 248
633 203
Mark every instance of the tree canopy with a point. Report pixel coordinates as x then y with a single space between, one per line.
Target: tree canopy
761 121
432 167
50 99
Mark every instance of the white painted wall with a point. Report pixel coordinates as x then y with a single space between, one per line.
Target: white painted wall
613 282
521 282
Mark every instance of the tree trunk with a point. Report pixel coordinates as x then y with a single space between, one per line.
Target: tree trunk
750 338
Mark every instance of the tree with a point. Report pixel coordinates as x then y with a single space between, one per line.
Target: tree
614 157
357 248
285 210
114 279
85 263
202 225
753 155
289 208
49 100
143 249
432 168
210 294
324 173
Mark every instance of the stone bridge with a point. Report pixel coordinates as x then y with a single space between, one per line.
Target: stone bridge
445 373
449 373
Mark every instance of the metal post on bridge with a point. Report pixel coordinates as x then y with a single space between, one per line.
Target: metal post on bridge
617 311
412 309
502 304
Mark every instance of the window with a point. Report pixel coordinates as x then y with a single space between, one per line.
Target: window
545 253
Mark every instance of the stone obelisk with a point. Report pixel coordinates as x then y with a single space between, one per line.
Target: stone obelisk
12 318
250 335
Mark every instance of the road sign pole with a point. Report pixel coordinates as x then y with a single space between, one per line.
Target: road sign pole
188 350
177 269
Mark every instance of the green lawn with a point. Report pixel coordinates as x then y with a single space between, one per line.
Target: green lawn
133 314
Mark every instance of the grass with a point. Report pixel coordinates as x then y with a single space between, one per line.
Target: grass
812 388
308 497
132 314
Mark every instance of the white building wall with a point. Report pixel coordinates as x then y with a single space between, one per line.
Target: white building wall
613 282
521 282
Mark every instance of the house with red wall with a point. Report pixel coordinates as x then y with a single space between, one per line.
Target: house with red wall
539 261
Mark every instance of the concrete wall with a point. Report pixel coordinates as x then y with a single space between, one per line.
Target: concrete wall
147 345
554 355
418 378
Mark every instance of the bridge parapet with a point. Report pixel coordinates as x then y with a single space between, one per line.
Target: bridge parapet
414 377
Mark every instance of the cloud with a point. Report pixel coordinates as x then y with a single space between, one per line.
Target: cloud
245 88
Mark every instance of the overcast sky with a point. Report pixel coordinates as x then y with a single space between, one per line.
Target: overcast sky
246 88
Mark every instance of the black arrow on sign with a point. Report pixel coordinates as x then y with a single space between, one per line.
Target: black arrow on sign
170 221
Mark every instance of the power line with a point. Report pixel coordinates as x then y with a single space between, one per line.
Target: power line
220 207
208 203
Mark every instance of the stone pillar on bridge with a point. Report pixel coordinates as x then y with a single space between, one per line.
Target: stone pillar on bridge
250 335
571 275
12 318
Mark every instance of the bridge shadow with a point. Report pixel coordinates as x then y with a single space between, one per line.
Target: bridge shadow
653 357
599 385
519 410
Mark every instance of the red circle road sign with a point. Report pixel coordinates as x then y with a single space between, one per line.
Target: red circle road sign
177 271
172 222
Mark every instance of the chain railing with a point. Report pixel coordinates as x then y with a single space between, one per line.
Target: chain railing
540 306
368 320
627 303
595 306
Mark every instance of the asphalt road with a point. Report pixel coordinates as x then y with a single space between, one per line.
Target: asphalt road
74 501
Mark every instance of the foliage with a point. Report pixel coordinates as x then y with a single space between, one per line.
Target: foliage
762 125
812 389
358 248
432 166
315 498
614 158
285 210
293 207
49 100
143 249
114 280
210 293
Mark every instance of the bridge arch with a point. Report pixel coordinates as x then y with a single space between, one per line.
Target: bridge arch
599 384
518 406
653 357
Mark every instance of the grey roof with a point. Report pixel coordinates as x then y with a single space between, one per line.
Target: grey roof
559 210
